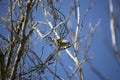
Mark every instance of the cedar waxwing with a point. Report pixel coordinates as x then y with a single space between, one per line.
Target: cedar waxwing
60 42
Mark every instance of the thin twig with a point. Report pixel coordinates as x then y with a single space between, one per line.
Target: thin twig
113 35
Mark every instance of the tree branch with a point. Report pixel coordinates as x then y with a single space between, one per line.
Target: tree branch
113 35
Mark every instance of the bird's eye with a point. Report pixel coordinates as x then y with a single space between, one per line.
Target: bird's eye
50 44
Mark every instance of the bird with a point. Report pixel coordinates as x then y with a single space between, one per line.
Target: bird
60 42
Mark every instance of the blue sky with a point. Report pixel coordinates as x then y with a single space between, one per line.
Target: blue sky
101 48
104 60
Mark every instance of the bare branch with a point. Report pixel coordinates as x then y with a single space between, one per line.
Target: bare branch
112 28
85 14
